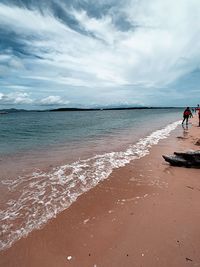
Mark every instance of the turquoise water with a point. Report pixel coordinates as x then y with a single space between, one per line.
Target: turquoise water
39 130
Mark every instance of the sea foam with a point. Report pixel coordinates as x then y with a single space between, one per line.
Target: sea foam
42 195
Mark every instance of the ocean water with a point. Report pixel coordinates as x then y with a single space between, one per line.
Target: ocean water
48 159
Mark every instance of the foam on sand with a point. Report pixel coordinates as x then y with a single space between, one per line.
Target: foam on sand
42 195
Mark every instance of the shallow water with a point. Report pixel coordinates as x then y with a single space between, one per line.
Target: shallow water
49 159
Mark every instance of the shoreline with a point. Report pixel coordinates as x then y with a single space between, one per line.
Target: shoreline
136 217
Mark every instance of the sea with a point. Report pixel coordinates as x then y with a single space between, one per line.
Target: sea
48 159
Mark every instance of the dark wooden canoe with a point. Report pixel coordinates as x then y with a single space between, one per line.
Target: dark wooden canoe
184 159
177 161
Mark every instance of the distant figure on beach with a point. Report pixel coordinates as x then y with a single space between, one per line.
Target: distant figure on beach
198 109
186 114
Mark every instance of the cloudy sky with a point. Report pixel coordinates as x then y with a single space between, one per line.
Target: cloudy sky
99 52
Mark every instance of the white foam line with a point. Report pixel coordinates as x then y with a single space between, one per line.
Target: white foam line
44 195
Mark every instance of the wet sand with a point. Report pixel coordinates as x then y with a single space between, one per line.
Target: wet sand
144 214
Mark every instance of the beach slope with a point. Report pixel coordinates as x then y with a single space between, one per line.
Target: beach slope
145 214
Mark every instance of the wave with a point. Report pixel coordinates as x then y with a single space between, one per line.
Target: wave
42 195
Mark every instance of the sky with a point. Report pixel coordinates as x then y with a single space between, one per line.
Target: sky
88 53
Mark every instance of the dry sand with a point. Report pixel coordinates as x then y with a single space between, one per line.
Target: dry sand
145 214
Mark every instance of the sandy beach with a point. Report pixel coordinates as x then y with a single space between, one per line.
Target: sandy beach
145 214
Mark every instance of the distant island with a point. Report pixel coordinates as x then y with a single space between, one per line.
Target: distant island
113 108
14 110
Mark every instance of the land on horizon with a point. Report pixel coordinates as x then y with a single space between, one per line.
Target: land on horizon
13 110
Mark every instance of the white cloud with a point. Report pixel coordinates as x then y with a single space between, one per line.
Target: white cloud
15 98
53 100
28 21
19 98
102 28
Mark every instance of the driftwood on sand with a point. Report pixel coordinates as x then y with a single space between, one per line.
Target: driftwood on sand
184 159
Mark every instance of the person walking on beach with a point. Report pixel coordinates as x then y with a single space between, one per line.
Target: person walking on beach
186 114
198 109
